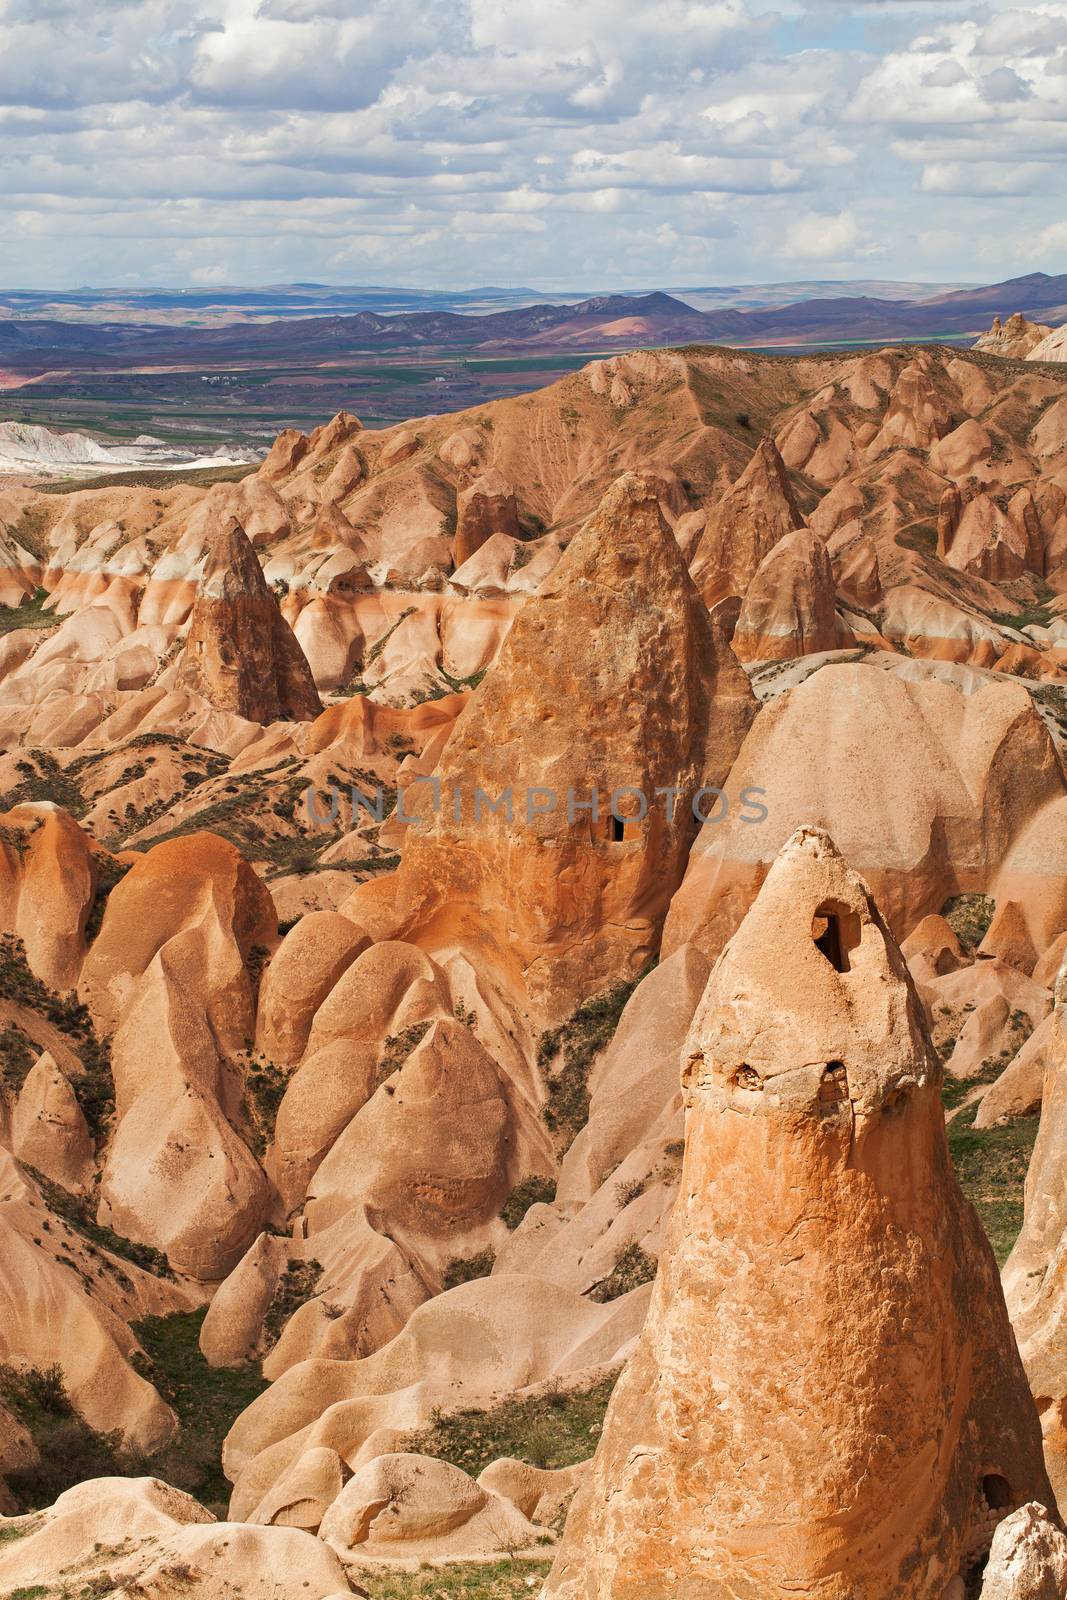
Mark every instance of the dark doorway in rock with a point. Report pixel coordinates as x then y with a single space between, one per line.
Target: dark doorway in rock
997 1491
618 828
836 932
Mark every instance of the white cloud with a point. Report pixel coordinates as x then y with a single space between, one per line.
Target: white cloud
563 142
822 238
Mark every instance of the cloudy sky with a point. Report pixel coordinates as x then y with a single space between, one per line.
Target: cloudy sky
584 144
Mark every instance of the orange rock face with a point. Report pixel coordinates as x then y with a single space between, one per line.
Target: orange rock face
745 526
790 606
486 508
241 654
827 1390
1036 1271
608 681
1014 338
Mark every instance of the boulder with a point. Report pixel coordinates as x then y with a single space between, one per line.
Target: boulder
411 1505
1028 1560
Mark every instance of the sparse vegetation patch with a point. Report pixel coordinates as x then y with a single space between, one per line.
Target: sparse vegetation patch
633 1267
575 1044
557 1428
991 1165
297 1285
969 916
461 1580
530 1192
464 1269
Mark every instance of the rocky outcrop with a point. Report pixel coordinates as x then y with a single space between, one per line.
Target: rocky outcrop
48 877
917 414
405 1506
976 535
615 675
486 508
1053 347
928 791
1015 338
465 1347
816 1172
240 653
66 1304
744 526
1028 1560
790 607
138 1536
48 1128
1034 1277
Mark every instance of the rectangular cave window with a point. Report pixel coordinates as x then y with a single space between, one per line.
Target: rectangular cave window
836 931
618 828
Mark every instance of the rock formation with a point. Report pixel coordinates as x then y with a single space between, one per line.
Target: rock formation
486 508
116 1536
745 526
790 607
1053 347
1034 1277
1015 338
1028 1560
927 790
816 1175
615 676
240 653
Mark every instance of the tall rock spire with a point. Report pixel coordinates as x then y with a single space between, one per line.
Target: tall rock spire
241 654
613 677
745 525
827 1398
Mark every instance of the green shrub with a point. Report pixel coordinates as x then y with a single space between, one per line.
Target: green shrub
556 1428
397 1048
94 1088
78 1212
265 1086
530 1192
969 916
17 1056
68 1448
991 1164
31 612
460 1580
109 872
207 1400
579 1041
632 1268
464 1269
296 1286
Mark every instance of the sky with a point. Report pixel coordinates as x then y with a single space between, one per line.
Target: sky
570 144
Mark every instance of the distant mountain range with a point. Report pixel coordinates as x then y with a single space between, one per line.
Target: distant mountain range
613 321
